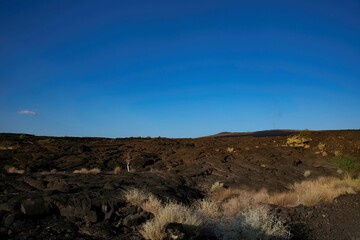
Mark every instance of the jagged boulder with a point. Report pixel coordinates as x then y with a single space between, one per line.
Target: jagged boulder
34 207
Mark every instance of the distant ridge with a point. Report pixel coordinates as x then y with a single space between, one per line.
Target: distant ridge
265 133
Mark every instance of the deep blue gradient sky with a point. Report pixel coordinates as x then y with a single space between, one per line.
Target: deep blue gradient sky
178 68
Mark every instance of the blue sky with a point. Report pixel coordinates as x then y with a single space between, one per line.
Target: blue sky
178 68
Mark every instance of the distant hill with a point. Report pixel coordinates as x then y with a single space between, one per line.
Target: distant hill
265 133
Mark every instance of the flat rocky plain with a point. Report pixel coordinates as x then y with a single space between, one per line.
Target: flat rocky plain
42 198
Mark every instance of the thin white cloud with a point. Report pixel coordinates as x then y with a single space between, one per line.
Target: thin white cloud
27 112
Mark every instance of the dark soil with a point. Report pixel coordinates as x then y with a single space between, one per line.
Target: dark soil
337 220
48 201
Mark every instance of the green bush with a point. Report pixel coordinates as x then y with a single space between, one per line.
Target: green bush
305 134
23 137
346 163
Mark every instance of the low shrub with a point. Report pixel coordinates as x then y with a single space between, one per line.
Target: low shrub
136 196
346 163
305 134
171 213
251 222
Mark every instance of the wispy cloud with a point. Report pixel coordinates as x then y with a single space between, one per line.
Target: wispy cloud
27 112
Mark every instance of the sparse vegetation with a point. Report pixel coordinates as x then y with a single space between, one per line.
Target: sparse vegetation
259 223
5 144
136 196
117 170
307 173
230 149
321 146
337 153
208 209
152 205
147 201
22 136
233 204
12 169
305 134
252 221
171 213
88 171
308 193
45 141
323 189
346 163
216 186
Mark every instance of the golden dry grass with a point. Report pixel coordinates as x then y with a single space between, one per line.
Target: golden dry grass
171 213
308 193
250 221
152 205
87 171
244 197
324 189
136 196
117 170
147 201
283 199
240 218
307 173
208 209
12 169
216 186
259 223
230 149
236 213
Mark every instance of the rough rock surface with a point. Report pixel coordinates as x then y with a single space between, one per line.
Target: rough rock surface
49 201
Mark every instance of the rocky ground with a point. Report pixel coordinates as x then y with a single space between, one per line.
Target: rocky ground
41 197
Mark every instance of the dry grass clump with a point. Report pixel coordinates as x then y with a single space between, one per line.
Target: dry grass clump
12 169
236 213
152 205
230 149
243 200
324 189
307 173
216 186
284 199
95 171
147 201
308 193
208 209
6 148
87 171
252 221
136 196
117 170
259 223
171 213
